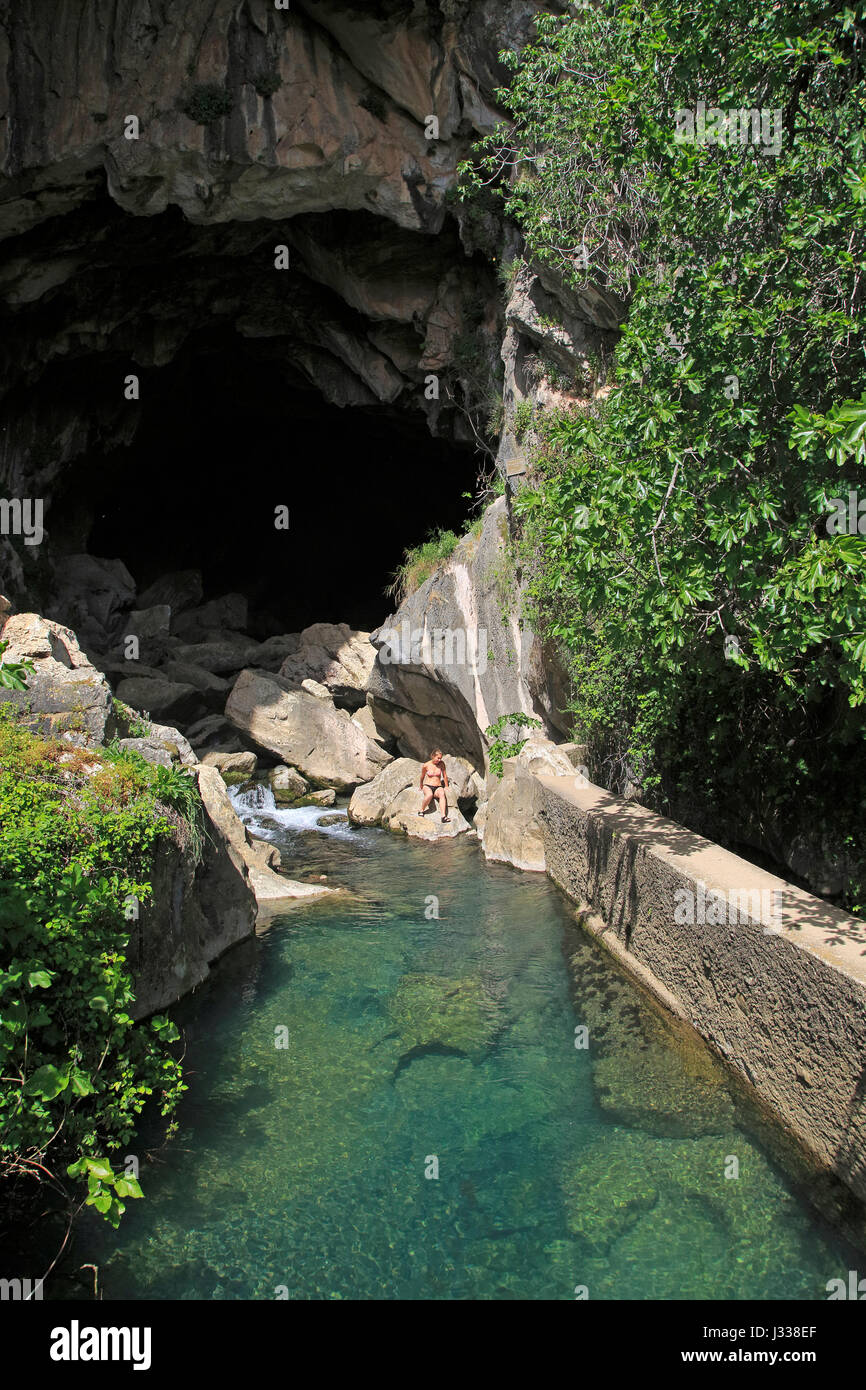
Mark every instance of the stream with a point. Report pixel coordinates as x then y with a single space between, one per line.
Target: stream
389 1104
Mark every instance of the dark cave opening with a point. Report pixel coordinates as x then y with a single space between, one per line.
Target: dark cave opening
239 368
223 442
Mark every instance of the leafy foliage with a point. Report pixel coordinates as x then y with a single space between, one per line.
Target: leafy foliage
677 533
13 674
420 562
206 103
79 834
501 747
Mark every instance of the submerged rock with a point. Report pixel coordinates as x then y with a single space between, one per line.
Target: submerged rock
430 1011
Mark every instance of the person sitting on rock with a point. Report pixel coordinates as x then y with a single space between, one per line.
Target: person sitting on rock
434 780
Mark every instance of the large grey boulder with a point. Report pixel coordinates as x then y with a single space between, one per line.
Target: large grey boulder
164 698
303 731
396 795
229 612
65 694
335 656
224 656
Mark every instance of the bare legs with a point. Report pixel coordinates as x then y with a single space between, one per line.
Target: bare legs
441 801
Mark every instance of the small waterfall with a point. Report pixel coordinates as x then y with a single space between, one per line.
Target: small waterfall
257 797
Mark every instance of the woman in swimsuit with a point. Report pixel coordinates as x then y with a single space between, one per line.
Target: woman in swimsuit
434 780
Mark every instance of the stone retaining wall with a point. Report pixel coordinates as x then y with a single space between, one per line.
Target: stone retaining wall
771 977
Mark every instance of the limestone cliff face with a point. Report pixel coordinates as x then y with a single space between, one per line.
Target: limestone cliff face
456 655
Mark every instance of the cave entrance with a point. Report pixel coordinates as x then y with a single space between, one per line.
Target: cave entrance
224 441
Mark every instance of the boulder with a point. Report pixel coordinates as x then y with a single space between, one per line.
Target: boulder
335 656
269 886
222 658
304 732
226 613
65 694
148 622
510 830
180 589
170 699
404 817
211 732
92 593
369 802
149 749
365 720
286 784
270 654
232 762
166 736
213 688
326 797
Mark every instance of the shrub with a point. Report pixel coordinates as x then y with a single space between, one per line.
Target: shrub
500 747
420 562
76 852
267 82
206 103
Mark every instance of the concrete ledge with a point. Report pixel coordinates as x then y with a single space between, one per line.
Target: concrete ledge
773 978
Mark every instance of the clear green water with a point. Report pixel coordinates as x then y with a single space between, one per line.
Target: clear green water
304 1168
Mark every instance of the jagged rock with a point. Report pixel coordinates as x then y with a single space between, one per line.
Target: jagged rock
336 657
171 699
320 692
271 888
270 654
167 736
148 749
65 694
286 784
180 590
510 829
304 732
232 762
363 717
213 688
